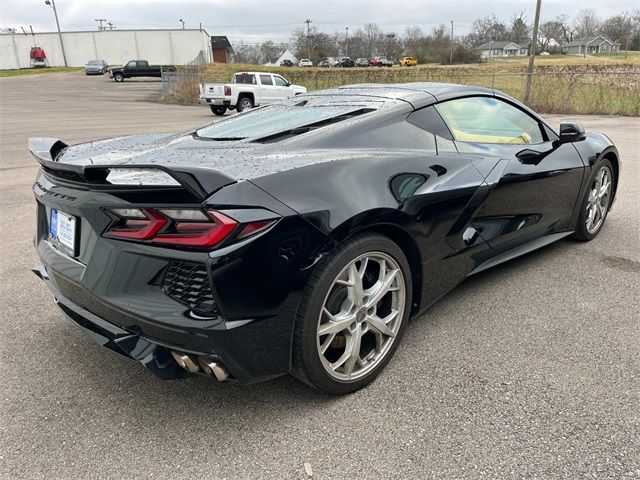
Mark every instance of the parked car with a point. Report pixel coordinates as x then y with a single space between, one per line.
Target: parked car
324 64
96 67
38 63
344 62
286 63
362 62
305 62
138 69
273 242
380 62
408 62
545 54
247 90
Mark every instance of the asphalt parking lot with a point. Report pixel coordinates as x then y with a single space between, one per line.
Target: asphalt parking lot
529 370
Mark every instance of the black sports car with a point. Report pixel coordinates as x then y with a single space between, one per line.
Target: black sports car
301 237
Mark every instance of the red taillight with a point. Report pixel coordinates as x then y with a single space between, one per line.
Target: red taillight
186 227
135 228
227 90
199 234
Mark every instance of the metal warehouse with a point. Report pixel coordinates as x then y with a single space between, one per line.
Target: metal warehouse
165 46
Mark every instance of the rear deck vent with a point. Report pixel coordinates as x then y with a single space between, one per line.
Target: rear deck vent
189 284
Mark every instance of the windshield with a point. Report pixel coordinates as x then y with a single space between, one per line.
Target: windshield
95 62
272 120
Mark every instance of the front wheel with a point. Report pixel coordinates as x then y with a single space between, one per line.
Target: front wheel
118 77
596 202
352 315
218 110
245 103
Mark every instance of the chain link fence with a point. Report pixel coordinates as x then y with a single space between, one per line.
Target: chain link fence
611 91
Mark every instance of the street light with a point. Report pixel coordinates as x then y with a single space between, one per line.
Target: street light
52 4
346 41
182 21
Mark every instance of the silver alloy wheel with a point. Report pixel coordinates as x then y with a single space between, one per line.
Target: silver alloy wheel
361 316
245 104
598 200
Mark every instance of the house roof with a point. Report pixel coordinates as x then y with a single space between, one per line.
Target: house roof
588 41
497 45
221 41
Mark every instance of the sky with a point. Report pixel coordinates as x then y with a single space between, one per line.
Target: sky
254 21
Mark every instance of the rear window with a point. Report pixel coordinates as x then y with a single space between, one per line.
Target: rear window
244 78
278 121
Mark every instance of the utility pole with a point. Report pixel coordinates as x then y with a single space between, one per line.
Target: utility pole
111 27
52 4
451 53
183 22
346 41
101 21
532 53
308 22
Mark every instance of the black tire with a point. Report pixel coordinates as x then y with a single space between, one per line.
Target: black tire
307 365
244 103
581 232
118 77
218 110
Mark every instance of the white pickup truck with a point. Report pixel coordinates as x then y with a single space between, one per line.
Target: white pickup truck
247 90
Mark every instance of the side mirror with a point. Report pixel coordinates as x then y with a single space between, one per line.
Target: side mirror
571 132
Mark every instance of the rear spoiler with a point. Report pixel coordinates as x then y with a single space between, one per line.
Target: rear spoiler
199 182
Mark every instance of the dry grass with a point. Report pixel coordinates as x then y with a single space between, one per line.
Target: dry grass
561 88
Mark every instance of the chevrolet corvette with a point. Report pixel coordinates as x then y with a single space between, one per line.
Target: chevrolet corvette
301 237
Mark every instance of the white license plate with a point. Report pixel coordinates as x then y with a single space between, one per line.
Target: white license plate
62 229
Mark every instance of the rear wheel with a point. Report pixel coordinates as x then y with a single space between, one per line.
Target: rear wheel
245 103
218 110
596 202
352 315
118 77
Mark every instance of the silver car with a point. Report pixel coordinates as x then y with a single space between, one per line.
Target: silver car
96 67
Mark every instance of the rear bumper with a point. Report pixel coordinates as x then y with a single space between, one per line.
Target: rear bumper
251 350
153 356
218 102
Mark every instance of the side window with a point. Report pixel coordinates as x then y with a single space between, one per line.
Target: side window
489 120
142 65
280 82
428 119
266 80
131 64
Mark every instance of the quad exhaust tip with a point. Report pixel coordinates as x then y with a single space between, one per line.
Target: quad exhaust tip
193 365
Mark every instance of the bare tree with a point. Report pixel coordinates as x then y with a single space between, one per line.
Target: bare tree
550 34
587 23
414 43
488 28
618 27
373 39
568 31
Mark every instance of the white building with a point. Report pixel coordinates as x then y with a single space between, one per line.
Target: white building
286 55
502 49
116 47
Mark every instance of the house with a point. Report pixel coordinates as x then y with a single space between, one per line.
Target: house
221 49
286 55
590 45
501 49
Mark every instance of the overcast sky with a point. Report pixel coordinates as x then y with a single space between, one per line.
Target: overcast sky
255 20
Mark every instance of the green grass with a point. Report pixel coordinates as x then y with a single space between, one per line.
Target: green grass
38 71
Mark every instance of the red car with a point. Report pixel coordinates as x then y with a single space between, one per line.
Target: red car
380 62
